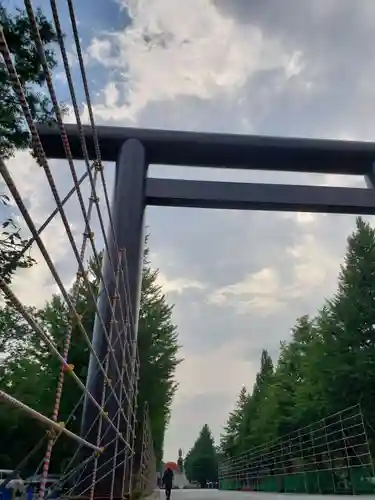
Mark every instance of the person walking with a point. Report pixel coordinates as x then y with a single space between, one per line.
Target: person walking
168 482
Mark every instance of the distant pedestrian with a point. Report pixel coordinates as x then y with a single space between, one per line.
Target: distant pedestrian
168 482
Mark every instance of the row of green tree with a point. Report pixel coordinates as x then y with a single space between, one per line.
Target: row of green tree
326 366
27 370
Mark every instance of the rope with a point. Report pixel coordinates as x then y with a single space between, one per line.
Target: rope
39 152
98 158
69 472
45 338
75 316
71 461
59 427
122 391
47 221
102 466
91 114
95 136
80 128
71 415
87 235
99 430
98 164
117 415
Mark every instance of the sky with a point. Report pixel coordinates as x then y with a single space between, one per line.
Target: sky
238 280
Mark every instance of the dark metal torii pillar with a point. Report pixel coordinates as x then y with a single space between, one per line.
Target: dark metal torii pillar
128 206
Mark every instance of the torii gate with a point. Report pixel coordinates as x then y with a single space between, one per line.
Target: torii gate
134 150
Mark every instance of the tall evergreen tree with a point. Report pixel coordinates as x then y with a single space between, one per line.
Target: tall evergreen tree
231 434
344 360
158 355
288 378
248 433
201 461
329 362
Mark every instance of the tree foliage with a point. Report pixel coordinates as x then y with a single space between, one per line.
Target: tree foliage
327 365
12 246
14 132
232 429
158 355
201 460
29 372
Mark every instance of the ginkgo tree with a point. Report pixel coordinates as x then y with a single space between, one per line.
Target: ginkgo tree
327 365
30 373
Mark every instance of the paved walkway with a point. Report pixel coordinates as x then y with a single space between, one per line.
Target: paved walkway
241 495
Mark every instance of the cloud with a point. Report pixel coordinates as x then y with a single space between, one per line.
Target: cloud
210 54
35 285
178 285
208 383
195 378
259 292
314 268
266 292
334 38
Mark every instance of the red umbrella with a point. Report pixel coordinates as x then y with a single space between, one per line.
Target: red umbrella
173 466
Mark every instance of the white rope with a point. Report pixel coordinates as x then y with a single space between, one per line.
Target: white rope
45 420
100 424
39 152
88 232
48 220
38 330
91 114
125 328
80 128
96 142
76 317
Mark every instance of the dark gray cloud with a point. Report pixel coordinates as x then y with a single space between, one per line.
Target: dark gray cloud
339 60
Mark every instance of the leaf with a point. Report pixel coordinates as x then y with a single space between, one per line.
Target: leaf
32 372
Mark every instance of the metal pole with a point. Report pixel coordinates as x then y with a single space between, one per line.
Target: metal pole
330 457
302 460
128 208
346 454
315 461
367 441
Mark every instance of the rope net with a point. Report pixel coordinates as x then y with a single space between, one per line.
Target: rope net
100 456
146 480
329 456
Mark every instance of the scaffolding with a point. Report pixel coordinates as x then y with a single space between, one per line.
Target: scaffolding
328 456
